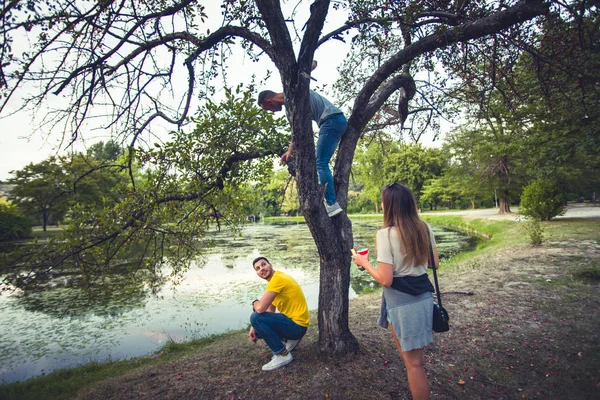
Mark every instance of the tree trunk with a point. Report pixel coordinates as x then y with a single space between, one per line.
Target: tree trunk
44 220
503 175
504 204
332 236
334 333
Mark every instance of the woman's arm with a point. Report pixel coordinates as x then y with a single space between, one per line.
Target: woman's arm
436 258
384 274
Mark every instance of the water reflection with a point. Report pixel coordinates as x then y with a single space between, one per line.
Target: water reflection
60 328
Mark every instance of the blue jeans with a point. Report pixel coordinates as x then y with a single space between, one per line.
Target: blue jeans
273 327
330 134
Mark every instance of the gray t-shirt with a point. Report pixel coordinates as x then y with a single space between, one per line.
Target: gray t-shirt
320 108
389 252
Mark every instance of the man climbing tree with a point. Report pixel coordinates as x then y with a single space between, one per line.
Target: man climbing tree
332 125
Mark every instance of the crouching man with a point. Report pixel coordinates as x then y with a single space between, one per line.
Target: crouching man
281 331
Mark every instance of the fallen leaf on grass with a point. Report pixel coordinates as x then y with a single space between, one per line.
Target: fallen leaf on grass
461 382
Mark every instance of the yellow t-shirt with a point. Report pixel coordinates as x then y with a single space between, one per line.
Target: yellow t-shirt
290 300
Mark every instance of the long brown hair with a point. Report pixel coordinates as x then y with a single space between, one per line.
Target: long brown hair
400 212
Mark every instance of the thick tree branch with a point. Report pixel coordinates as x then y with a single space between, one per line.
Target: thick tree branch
311 36
283 55
231 31
441 17
370 98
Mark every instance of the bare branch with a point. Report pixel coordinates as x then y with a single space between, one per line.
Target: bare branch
371 96
442 17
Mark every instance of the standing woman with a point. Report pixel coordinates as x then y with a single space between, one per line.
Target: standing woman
402 260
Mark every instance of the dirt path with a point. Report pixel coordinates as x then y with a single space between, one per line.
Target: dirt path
531 330
573 211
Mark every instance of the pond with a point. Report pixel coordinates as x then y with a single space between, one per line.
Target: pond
54 329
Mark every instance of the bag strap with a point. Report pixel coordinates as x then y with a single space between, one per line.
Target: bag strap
435 279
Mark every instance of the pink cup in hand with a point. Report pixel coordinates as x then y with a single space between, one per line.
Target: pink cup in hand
363 252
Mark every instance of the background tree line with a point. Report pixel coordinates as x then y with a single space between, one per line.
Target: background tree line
50 191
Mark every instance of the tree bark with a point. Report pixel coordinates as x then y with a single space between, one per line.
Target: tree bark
503 175
334 333
332 236
44 220
504 204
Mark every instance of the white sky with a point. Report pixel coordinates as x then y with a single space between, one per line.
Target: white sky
21 143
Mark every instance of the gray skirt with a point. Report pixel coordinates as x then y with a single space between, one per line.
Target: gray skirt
411 317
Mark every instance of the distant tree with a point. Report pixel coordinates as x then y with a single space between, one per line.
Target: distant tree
41 190
13 226
367 171
439 191
49 189
464 179
489 154
385 162
413 164
109 151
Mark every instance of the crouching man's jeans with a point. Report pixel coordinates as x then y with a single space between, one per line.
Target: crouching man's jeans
273 327
330 134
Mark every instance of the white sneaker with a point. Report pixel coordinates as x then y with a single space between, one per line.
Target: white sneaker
278 361
333 209
291 344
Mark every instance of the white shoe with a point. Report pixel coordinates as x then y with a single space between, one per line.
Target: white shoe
333 209
291 344
278 361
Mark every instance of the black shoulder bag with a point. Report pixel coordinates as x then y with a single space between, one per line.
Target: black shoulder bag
440 315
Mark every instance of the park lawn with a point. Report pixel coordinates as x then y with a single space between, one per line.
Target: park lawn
528 331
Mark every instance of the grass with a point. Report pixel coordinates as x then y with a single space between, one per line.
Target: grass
572 228
496 235
66 383
587 274
51 231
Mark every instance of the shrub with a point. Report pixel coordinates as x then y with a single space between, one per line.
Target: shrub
542 199
13 226
536 232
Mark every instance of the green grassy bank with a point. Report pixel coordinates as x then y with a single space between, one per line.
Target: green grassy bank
65 384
